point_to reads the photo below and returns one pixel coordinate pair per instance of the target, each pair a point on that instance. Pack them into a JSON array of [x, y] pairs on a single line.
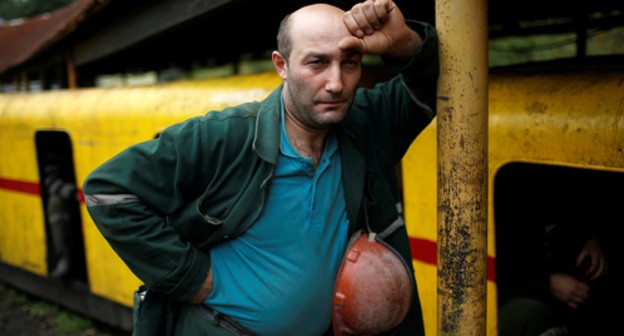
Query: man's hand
[[568, 290], [205, 289], [592, 262], [378, 27]]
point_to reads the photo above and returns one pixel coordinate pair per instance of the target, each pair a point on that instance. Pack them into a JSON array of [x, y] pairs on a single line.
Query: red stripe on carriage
[[426, 251], [20, 186], [31, 188]]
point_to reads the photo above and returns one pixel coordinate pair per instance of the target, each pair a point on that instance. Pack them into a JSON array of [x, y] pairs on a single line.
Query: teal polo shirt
[[278, 277]]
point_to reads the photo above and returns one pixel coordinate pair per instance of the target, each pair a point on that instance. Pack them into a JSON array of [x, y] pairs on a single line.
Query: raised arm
[[379, 28]]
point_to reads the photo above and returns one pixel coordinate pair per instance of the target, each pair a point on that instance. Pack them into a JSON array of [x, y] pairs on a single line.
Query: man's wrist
[[204, 290]]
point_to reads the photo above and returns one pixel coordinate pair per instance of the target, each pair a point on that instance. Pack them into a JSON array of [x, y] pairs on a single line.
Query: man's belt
[[224, 321]]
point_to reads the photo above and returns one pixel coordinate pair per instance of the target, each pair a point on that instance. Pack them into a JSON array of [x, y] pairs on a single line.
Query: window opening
[[545, 216], [60, 200]]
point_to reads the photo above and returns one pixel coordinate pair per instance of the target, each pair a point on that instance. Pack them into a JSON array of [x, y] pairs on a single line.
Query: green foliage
[[71, 323], [15, 9], [62, 321], [11, 297]]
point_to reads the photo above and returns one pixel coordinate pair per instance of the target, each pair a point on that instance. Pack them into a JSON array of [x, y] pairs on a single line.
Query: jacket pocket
[[153, 313], [193, 226]]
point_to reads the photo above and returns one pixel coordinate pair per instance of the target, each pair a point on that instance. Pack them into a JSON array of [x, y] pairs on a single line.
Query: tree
[[15, 9]]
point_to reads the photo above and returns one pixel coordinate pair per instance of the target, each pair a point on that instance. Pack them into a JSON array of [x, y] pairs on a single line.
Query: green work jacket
[[162, 204]]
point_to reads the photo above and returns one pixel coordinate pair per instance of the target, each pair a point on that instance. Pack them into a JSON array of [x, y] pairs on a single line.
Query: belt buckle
[[216, 318]]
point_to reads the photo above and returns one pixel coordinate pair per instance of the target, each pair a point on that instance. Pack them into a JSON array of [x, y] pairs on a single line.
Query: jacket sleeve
[[130, 196], [419, 79], [396, 111], [420, 75]]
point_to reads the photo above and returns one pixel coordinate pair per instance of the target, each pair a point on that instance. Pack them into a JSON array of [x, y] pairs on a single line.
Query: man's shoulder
[[245, 110]]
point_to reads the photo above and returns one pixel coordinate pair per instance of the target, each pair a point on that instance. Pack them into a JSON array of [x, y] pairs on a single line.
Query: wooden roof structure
[[108, 36]]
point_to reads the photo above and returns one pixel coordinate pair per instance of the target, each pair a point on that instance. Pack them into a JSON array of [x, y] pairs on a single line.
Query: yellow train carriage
[[571, 119], [540, 118], [98, 124]]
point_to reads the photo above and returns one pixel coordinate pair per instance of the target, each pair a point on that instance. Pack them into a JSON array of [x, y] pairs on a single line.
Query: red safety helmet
[[373, 289]]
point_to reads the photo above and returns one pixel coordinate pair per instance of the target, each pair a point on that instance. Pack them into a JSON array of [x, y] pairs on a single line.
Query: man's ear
[[280, 64]]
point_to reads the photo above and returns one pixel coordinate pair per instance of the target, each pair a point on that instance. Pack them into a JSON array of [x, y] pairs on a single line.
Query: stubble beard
[[310, 115]]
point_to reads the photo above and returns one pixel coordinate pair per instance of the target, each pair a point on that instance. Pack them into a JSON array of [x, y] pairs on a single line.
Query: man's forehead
[[324, 52], [320, 34], [316, 30], [319, 19]]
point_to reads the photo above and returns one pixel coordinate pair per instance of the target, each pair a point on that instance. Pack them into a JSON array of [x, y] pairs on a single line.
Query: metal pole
[[462, 166]]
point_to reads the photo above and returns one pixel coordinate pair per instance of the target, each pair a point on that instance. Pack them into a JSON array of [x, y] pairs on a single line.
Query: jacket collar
[[267, 133], [267, 140]]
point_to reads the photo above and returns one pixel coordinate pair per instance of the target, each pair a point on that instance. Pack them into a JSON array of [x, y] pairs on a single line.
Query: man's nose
[[334, 80]]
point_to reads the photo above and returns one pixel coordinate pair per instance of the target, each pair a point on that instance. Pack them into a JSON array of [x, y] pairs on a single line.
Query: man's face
[[321, 79]]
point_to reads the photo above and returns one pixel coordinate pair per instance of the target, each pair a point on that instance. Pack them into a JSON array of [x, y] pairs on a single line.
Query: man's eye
[[351, 64]]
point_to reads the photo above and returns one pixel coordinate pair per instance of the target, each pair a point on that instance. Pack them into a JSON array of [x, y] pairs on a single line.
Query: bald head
[[320, 22]]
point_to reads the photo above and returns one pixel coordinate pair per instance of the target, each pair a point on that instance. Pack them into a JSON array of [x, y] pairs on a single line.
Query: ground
[[23, 315]]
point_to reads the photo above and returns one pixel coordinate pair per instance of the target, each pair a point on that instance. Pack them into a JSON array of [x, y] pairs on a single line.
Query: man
[[246, 213], [61, 200], [553, 252]]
